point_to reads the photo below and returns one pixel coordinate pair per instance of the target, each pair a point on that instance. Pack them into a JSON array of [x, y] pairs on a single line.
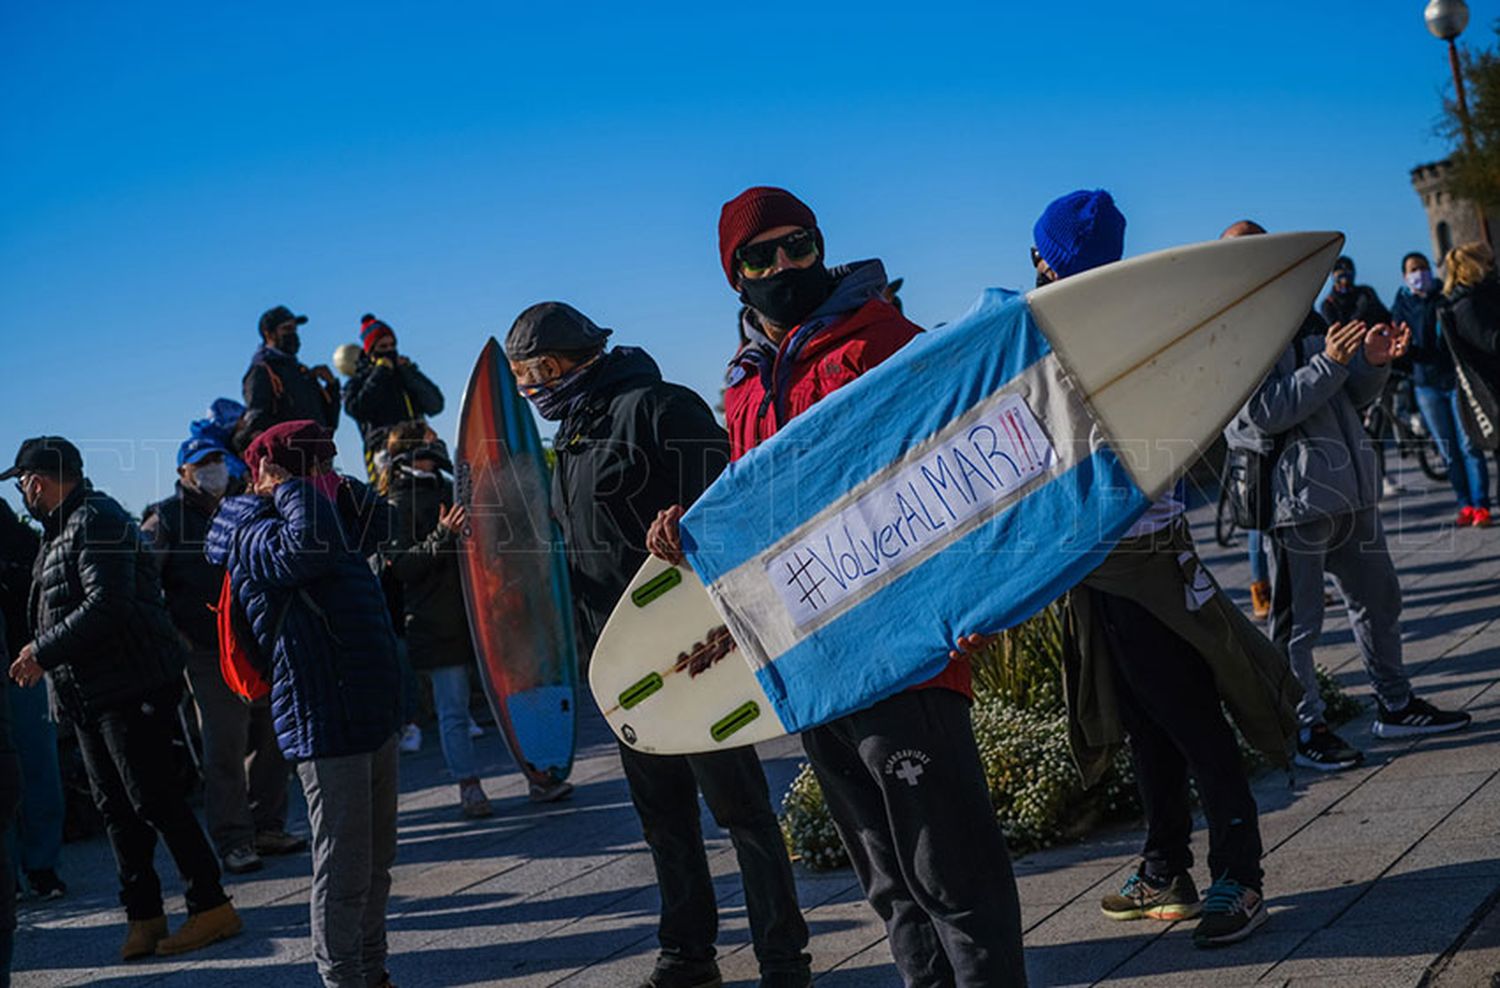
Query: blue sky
[[168, 171]]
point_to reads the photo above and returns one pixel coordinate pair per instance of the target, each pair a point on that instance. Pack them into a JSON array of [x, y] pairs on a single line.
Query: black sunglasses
[[1036, 258], [757, 257]]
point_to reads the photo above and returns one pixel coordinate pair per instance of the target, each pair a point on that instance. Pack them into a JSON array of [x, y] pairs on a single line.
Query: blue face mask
[[560, 397], [1419, 281]]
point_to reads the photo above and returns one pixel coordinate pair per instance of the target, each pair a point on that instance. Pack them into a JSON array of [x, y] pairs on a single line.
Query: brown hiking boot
[[202, 929], [1260, 599], [142, 937]]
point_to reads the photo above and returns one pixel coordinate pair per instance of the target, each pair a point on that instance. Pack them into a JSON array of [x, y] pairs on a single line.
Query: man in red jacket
[[902, 777]]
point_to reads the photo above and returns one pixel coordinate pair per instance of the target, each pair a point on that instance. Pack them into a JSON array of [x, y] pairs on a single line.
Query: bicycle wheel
[[1224, 527], [1430, 460]]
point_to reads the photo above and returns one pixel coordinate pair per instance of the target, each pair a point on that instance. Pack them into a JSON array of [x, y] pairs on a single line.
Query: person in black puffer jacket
[[1470, 316], [280, 388], [102, 633], [385, 390], [244, 775], [1348, 302]]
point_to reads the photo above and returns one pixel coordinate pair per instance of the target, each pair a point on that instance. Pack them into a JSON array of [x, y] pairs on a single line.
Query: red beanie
[[752, 213], [372, 331], [295, 446]]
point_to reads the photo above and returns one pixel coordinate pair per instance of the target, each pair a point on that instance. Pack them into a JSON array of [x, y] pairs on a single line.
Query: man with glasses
[[925, 844], [628, 445], [104, 635]]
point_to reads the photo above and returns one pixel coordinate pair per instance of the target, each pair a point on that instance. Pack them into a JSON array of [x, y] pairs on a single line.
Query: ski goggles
[[758, 258]]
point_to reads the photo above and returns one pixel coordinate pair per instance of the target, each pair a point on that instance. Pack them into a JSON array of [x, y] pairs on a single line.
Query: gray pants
[[1351, 548], [351, 803], [244, 775]]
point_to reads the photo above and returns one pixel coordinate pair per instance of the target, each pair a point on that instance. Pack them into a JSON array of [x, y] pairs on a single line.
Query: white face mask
[[212, 479]]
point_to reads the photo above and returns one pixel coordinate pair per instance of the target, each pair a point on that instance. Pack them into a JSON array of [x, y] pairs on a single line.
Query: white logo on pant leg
[[907, 765]]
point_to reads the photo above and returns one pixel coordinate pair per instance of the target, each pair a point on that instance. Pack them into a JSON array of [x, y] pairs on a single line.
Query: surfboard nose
[[1169, 345]]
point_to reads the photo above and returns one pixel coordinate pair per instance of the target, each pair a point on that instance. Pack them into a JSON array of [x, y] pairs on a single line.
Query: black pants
[[127, 753], [1172, 714], [665, 790], [906, 790], [10, 799]]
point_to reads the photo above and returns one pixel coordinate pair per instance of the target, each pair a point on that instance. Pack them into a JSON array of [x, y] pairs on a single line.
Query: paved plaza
[[1386, 875]]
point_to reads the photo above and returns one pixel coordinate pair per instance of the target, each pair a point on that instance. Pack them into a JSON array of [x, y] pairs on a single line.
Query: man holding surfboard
[[902, 778], [628, 445]]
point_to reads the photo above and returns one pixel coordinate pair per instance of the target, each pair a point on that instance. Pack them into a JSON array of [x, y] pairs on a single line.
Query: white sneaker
[[1389, 488], [475, 731], [411, 739]]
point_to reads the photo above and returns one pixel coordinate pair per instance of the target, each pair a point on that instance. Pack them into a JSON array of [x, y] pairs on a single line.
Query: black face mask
[[1043, 279], [288, 343], [790, 296]]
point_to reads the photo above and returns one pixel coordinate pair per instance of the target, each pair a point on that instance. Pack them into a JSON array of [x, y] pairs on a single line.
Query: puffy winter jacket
[[96, 607], [424, 558], [380, 395], [847, 335], [1326, 466], [1431, 363], [18, 548], [319, 615], [1472, 320], [636, 445], [1359, 302], [175, 530], [280, 388]]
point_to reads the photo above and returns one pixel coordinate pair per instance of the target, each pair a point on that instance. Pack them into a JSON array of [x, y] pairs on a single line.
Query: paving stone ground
[[1381, 876]]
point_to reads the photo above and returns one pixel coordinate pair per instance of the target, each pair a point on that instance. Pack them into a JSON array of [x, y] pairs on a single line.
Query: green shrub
[[1021, 730], [1024, 666], [1340, 706]]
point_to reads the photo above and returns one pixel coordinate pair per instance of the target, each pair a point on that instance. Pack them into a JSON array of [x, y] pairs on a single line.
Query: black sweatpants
[[127, 753], [664, 789], [1176, 726], [906, 790]]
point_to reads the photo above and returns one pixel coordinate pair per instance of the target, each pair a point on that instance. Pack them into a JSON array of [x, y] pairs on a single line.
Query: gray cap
[[553, 327]]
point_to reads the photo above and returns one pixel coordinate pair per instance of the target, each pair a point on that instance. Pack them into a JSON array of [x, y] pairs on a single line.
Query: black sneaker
[[1417, 717], [1326, 751], [1142, 897], [676, 977], [46, 884], [1231, 912]]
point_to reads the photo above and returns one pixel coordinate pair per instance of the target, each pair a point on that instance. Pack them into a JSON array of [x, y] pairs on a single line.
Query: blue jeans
[[1255, 542], [1467, 470], [39, 824], [450, 695]]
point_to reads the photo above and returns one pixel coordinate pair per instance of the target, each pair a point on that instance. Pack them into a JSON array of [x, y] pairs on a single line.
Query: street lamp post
[[1446, 19]]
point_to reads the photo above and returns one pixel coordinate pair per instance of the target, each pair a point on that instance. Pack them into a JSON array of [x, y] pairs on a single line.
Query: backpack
[[1249, 477], [245, 670]]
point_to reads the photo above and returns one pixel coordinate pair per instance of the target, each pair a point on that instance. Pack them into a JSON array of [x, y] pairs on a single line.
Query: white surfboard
[[1141, 365], [685, 667]]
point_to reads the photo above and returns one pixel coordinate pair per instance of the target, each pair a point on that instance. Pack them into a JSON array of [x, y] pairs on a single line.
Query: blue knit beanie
[[1079, 231]]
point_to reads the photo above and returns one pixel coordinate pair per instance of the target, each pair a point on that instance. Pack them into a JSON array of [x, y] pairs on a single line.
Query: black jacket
[[175, 530], [636, 446], [379, 396], [1471, 318], [424, 559], [101, 628], [1360, 302], [280, 388], [18, 547]]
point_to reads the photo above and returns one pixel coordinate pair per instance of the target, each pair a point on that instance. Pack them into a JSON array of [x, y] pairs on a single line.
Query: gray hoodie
[[1327, 464]]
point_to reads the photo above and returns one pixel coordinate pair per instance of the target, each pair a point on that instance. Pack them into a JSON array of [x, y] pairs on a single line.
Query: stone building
[[1449, 221]]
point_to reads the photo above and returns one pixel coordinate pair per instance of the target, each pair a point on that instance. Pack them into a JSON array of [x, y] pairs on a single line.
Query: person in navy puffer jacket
[[293, 553]]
